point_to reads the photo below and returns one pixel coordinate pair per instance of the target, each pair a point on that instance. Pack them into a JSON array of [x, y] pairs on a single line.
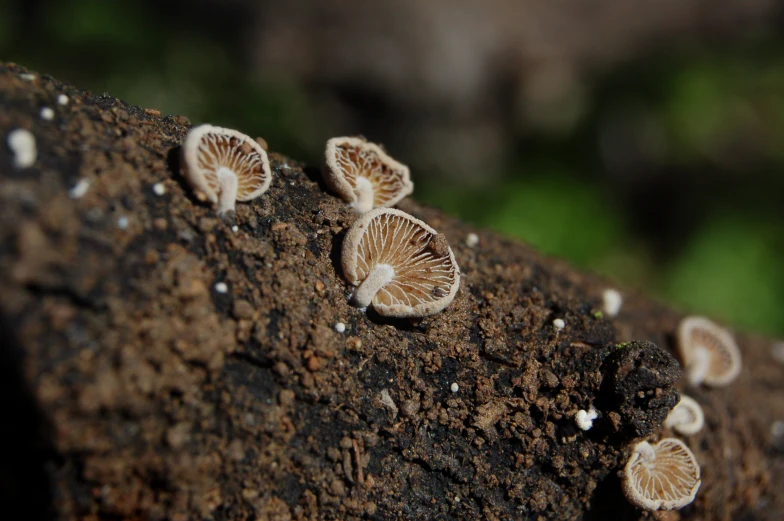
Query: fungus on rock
[[709, 353], [401, 265], [686, 418], [362, 174], [225, 165], [661, 476]]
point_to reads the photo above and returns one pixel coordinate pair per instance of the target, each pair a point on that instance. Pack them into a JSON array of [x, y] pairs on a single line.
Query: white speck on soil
[[584, 419], [26, 76], [159, 188], [79, 189], [221, 287], [340, 327], [472, 240], [559, 324], [122, 222], [47, 113], [62, 99], [21, 143], [612, 302], [235, 228], [454, 387]]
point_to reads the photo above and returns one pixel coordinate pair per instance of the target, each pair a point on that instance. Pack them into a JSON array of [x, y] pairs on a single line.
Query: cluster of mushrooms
[[404, 268]]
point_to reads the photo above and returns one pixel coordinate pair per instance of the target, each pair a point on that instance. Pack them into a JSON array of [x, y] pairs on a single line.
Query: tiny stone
[[221, 287], [559, 324], [340, 327], [235, 228], [47, 113], [159, 188], [79, 189], [62, 99], [454, 387], [21, 142], [122, 222], [472, 240]]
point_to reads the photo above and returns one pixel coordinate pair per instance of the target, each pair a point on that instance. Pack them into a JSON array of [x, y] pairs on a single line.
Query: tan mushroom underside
[[425, 274], [661, 476], [700, 340], [685, 418], [208, 148], [352, 162]]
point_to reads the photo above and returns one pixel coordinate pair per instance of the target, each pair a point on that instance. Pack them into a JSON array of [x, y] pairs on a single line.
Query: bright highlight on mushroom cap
[[686, 418], [403, 267], [211, 154], [661, 476], [363, 174], [709, 353]]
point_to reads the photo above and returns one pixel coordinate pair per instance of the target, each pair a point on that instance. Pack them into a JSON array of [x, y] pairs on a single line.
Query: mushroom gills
[[380, 276], [365, 195], [228, 190], [699, 365]]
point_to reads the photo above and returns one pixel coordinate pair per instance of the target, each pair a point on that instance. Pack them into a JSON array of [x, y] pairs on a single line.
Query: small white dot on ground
[[559, 324], [79, 189], [159, 188], [472, 240], [122, 222], [235, 228], [21, 142], [26, 76], [47, 113], [221, 287], [454, 387], [612, 302], [62, 99], [340, 327]]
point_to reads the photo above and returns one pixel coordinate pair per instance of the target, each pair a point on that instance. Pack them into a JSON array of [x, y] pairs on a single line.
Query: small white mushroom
[[225, 165], [709, 353], [62, 99], [612, 301], [362, 174], [686, 418], [21, 143], [584, 419], [661, 476], [559, 324], [400, 265], [472, 240], [79, 189], [340, 327], [47, 113]]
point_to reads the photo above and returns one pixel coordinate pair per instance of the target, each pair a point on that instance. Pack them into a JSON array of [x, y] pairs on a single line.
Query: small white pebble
[[159, 188], [340, 327], [612, 302], [584, 419], [778, 352], [26, 76], [47, 113], [472, 240], [62, 99], [777, 429], [122, 222], [559, 324], [79, 189], [235, 228], [457, 499], [221, 287], [21, 142], [454, 387]]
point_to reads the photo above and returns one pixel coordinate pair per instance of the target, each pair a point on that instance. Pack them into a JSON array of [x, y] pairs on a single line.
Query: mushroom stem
[[381, 275], [365, 195], [228, 190], [698, 365]]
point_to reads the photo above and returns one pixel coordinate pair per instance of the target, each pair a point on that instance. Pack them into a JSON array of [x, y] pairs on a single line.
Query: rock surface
[[142, 391]]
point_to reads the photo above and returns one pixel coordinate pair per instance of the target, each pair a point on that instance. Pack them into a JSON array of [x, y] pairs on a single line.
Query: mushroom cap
[[208, 148], [348, 158], [661, 476], [686, 418], [695, 333], [426, 275]]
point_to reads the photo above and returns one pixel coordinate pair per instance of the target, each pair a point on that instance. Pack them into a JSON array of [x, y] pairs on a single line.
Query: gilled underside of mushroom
[[375, 183]]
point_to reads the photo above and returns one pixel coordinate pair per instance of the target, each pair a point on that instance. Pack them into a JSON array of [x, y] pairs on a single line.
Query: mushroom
[[709, 353], [362, 174], [685, 418], [401, 265], [225, 165], [661, 476]]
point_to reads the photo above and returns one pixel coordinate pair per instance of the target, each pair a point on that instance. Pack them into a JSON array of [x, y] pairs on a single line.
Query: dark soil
[[133, 389]]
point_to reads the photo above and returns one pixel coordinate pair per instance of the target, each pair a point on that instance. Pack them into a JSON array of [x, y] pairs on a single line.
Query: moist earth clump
[[172, 368]]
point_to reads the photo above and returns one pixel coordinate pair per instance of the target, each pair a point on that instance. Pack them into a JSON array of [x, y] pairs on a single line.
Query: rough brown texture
[[144, 393]]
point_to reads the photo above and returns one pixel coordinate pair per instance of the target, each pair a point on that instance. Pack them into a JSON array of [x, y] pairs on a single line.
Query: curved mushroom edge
[[636, 498], [674, 419], [351, 244], [687, 326], [196, 178], [337, 182]]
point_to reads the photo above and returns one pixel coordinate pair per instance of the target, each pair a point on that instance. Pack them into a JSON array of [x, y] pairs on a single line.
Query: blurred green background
[[655, 160]]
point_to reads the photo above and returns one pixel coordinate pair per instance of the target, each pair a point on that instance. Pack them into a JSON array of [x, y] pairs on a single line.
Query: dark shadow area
[[25, 485], [608, 502]]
